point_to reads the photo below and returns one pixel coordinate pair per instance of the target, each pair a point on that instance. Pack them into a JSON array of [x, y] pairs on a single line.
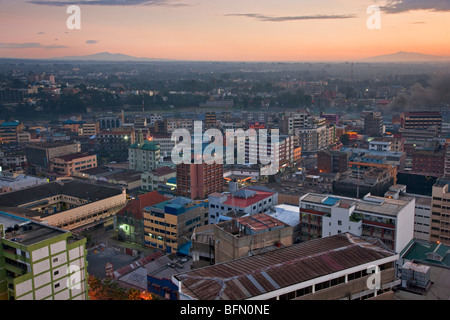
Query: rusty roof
[[249, 277]]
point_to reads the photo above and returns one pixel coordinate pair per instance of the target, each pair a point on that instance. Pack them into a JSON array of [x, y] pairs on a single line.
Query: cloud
[[92, 41], [399, 6], [29, 45], [41, 32], [107, 3], [261, 17]]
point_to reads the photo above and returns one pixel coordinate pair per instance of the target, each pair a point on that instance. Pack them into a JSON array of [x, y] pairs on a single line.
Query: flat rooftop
[[26, 232], [378, 205]]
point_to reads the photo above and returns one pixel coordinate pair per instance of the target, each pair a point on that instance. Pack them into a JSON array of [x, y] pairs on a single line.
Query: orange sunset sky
[[232, 30]]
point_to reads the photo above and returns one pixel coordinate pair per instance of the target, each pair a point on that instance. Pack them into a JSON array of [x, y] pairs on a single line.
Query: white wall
[[405, 226]]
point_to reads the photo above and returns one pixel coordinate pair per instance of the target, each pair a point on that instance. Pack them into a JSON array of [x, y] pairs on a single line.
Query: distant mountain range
[[402, 56], [105, 56]]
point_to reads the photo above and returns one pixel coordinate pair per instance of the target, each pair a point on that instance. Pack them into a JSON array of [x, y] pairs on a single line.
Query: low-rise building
[[243, 201], [152, 179], [169, 225], [71, 205], [68, 164], [332, 268]]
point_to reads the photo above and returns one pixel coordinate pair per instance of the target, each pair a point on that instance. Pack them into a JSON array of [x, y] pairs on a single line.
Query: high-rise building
[[114, 144], [40, 262], [373, 124], [197, 181], [295, 120]]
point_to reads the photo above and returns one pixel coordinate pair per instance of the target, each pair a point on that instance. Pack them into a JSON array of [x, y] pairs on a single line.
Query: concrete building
[[373, 124], [9, 131], [172, 124], [12, 181], [440, 214], [411, 121], [129, 222], [422, 210], [68, 164], [169, 225], [333, 161], [71, 205], [332, 268], [390, 220], [166, 144], [152, 179], [40, 154], [197, 181], [144, 156], [89, 129], [249, 235], [295, 120], [381, 144], [40, 262], [429, 162], [246, 201], [113, 145], [314, 139]]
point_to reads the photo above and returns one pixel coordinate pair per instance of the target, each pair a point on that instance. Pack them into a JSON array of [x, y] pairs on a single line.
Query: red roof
[[136, 206], [243, 203]]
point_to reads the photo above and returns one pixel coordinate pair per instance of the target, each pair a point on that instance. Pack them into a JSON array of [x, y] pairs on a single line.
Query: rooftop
[[74, 188], [250, 277], [74, 156], [27, 232], [370, 203]]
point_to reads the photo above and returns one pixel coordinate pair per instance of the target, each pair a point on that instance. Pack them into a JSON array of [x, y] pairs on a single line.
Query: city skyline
[[326, 30]]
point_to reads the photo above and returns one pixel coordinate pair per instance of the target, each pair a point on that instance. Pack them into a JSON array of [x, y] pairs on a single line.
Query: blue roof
[[330, 201], [10, 124], [184, 249], [172, 180]]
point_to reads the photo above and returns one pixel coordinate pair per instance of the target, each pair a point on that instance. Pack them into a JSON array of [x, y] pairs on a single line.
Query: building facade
[[339, 267], [40, 262], [144, 156], [390, 220], [170, 224]]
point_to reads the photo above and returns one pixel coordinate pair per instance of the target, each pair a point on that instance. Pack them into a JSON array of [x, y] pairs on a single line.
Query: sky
[[225, 30]]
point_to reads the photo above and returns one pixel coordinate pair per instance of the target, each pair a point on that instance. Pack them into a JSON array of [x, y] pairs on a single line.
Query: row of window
[[331, 283]]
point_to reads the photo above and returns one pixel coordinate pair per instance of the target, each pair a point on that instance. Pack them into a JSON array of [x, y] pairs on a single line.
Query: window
[[57, 285], [55, 260], [56, 273], [339, 223]]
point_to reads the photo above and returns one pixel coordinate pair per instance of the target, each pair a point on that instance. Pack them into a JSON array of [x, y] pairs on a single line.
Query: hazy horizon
[[211, 30]]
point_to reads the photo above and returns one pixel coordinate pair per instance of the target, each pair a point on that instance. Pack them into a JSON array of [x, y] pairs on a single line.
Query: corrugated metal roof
[[252, 276]]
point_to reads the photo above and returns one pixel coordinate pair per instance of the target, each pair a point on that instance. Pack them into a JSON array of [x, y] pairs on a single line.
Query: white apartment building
[[422, 210], [380, 145], [390, 220]]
